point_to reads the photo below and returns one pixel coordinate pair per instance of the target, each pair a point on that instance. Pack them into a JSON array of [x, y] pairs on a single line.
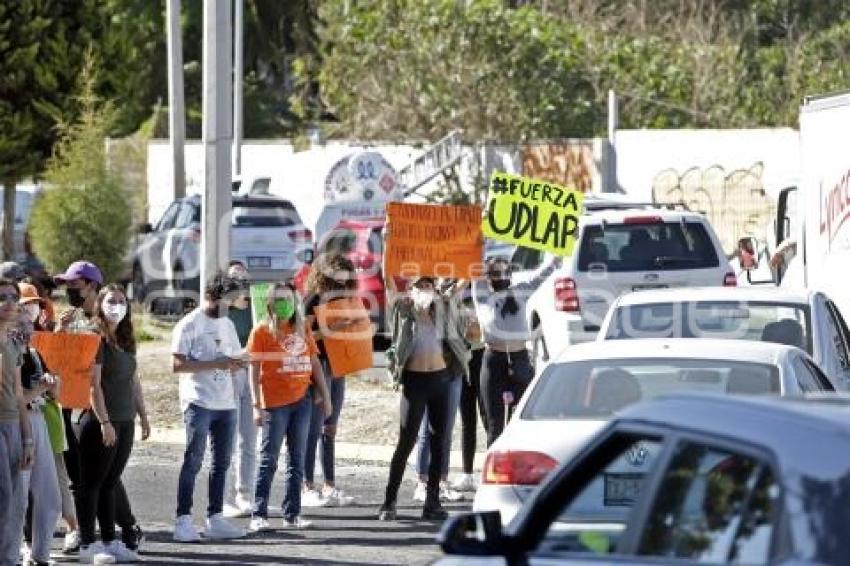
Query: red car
[[361, 242]]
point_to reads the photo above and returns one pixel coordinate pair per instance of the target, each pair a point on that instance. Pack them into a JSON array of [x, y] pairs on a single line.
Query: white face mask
[[114, 313], [33, 311], [421, 299]]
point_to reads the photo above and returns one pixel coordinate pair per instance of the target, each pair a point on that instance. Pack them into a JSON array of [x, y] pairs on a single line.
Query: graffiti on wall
[[567, 163], [735, 202]]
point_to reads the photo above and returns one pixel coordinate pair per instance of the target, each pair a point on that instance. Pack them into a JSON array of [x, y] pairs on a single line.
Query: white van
[[622, 247]]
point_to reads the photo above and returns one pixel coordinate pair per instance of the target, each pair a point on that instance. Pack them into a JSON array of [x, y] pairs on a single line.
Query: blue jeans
[[423, 442], [11, 515], [246, 438], [219, 426], [336, 386], [292, 422]]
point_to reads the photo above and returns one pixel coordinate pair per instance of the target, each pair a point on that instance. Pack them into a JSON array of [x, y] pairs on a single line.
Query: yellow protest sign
[[533, 213]]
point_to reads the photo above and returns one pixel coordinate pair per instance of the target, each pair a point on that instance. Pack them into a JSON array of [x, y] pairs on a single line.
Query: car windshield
[[261, 214], [759, 321], [599, 388], [650, 246]]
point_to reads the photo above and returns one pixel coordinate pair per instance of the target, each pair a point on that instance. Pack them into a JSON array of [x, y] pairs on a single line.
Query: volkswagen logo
[[637, 455]]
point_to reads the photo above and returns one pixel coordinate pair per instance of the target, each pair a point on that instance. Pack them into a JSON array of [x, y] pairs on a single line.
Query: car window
[[167, 220], [593, 519], [837, 332], [650, 246], [712, 506], [821, 378], [526, 259], [187, 215], [264, 214], [597, 389], [807, 381], [376, 242], [758, 321]]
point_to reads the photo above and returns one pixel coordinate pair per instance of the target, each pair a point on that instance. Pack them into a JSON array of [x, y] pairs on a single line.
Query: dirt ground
[[369, 415]]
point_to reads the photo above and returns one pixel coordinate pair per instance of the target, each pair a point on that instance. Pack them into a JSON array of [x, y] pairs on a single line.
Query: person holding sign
[[16, 440], [283, 366], [506, 367], [426, 355], [331, 277]]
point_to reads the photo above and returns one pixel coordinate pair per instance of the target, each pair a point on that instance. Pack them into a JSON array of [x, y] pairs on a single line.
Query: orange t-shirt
[[285, 364]]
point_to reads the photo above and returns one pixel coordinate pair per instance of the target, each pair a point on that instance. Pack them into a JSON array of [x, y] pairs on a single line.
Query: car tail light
[[305, 234], [730, 280], [566, 295], [517, 467], [642, 220]]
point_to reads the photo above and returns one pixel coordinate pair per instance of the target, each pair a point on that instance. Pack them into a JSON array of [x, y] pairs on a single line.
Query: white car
[[577, 395], [804, 318], [621, 247]]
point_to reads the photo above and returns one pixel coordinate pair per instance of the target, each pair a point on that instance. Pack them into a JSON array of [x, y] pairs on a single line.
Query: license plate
[[260, 262], [622, 489], [647, 287]]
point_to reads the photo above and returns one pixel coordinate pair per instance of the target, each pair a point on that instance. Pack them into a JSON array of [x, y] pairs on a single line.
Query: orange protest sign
[[349, 349], [71, 357], [433, 240]]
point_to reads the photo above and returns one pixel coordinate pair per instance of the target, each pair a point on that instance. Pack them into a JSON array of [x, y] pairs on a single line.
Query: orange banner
[[349, 349], [71, 357], [433, 240]]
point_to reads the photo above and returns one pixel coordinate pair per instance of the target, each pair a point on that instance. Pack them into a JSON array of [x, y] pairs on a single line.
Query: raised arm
[[542, 275]]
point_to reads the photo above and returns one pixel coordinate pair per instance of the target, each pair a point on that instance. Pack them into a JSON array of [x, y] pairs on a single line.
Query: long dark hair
[[510, 306], [297, 319], [125, 338]]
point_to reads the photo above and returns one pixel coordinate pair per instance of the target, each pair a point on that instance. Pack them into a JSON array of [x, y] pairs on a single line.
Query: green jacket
[[451, 329]]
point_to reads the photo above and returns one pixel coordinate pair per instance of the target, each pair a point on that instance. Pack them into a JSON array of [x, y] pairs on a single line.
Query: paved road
[[347, 535]]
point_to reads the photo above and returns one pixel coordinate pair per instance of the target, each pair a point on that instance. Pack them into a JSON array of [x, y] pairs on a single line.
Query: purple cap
[[80, 270]]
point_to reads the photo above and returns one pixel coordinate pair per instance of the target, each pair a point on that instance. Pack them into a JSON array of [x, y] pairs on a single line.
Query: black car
[[740, 480]]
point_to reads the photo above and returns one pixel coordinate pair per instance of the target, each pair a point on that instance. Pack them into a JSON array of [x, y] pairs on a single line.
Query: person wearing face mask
[[506, 367], [107, 429], [40, 484], [331, 277], [426, 356], [206, 353], [283, 367]]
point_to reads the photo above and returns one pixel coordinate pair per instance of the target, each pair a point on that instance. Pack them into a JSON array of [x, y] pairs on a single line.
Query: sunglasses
[[9, 298]]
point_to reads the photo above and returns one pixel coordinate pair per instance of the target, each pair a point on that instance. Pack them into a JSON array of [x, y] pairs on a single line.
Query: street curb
[[344, 450]]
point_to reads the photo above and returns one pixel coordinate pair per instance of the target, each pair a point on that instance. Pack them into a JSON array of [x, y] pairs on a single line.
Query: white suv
[[621, 247]]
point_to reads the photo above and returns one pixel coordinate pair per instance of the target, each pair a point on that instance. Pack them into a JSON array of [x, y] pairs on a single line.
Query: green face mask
[[284, 308]]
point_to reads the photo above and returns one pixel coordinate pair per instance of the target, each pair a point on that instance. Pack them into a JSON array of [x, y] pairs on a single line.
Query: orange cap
[[28, 293]]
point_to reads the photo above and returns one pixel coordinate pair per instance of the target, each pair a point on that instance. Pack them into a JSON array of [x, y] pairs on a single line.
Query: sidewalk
[[344, 450]]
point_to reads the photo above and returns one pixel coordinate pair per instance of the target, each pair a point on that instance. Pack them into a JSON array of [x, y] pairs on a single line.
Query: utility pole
[[611, 184], [217, 137], [238, 72], [176, 112]]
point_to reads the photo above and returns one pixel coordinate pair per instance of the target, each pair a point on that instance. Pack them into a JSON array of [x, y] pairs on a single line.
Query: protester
[[506, 366], [331, 277], [107, 429], [283, 365], [83, 281], [16, 440], [239, 313], [40, 485], [47, 311], [206, 351], [471, 401], [425, 355]]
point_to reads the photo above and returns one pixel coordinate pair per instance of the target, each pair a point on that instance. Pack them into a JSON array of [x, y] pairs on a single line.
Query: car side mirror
[[473, 534], [145, 228]]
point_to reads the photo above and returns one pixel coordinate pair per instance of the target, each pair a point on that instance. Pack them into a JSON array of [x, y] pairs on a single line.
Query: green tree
[[83, 213]]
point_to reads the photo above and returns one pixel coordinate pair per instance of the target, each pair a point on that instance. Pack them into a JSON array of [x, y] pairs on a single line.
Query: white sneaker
[[336, 497], [313, 498], [72, 542], [241, 507], [185, 531], [421, 492], [464, 482], [297, 523], [259, 524], [448, 494], [120, 551], [220, 528], [95, 553]]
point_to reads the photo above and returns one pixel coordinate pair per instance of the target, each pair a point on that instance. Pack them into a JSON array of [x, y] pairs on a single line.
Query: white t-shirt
[[204, 339]]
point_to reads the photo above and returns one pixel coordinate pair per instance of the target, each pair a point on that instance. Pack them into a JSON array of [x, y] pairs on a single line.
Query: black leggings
[[421, 391], [100, 473], [500, 373], [471, 404]]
